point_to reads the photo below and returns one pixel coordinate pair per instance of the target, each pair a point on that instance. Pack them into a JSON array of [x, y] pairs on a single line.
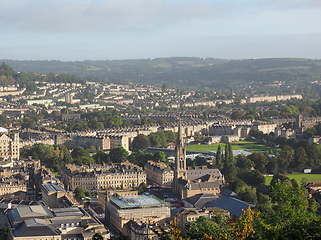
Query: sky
[[77, 30]]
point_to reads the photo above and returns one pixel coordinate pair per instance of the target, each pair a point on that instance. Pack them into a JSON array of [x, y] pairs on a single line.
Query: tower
[[298, 122], [180, 160]]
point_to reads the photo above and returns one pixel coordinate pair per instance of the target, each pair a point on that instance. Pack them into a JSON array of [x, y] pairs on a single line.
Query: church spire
[[180, 159]]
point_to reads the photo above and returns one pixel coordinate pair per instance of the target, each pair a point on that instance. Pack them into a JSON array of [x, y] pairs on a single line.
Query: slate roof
[[34, 227], [35, 211], [199, 200], [229, 193], [68, 212], [233, 205]]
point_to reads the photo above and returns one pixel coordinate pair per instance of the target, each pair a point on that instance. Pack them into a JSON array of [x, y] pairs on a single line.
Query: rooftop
[[137, 201], [52, 187]]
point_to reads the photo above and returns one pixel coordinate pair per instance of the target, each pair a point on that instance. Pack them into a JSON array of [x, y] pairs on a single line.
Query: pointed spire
[[180, 139]]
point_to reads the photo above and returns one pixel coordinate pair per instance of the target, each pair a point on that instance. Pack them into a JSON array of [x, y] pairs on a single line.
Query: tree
[[172, 232], [79, 152], [243, 228], [80, 193], [141, 142], [272, 166], [114, 121], [218, 159], [97, 236], [286, 157], [248, 194], [203, 227], [309, 132], [245, 162], [260, 161], [102, 156], [118, 155], [278, 177], [300, 158], [142, 188], [293, 216], [157, 139], [27, 122], [159, 156]]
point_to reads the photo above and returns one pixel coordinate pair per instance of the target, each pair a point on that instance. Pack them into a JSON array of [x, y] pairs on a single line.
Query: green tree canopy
[[118, 155], [141, 142]]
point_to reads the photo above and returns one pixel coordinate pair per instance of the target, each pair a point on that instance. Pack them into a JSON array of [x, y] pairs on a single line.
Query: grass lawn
[[316, 178], [242, 145]]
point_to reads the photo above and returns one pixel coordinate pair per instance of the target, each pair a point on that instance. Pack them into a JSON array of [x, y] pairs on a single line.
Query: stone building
[[52, 194], [10, 187], [189, 215], [38, 222], [9, 145], [98, 177], [186, 185], [159, 173], [123, 212]]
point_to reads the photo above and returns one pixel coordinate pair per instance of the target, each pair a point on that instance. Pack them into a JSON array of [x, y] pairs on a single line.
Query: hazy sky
[[132, 29]]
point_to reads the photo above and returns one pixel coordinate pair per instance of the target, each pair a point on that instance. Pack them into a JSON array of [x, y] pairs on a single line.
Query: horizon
[[140, 29], [235, 59]]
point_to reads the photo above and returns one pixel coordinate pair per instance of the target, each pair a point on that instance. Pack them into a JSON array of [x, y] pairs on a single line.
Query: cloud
[[95, 15]]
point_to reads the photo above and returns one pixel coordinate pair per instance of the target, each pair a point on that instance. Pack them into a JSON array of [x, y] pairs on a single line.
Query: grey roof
[[202, 185], [199, 200], [229, 193], [36, 211], [68, 212], [34, 227], [233, 205], [65, 221]]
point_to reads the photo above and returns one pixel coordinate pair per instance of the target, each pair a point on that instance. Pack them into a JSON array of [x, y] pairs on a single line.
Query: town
[[80, 159]]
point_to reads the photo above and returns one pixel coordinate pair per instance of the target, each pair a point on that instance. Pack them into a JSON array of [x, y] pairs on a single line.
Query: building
[[159, 173], [9, 146], [200, 171], [235, 206], [122, 212], [38, 222], [66, 117], [189, 215], [230, 138], [180, 162], [265, 128], [10, 187], [98, 177], [69, 98], [119, 141], [52, 194], [102, 195], [286, 133], [201, 180]]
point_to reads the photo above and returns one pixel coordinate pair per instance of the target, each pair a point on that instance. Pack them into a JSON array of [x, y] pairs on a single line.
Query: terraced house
[[98, 177]]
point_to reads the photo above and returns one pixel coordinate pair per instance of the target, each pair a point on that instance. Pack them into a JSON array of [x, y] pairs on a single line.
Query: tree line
[[57, 156], [287, 214]]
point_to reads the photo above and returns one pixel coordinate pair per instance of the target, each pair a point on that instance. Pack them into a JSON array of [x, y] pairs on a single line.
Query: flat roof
[[68, 212], [136, 201], [52, 187]]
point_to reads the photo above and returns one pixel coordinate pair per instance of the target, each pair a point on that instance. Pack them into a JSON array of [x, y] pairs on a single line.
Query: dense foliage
[[57, 156]]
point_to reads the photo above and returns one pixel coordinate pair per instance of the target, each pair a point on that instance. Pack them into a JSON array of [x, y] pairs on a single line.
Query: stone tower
[[180, 160]]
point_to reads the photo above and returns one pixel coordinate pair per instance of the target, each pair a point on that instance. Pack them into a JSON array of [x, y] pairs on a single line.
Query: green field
[[316, 178], [242, 145]]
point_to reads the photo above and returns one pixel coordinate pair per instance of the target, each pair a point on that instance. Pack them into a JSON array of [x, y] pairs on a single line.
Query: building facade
[[159, 173], [122, 212], [98, 177], [9, 146]]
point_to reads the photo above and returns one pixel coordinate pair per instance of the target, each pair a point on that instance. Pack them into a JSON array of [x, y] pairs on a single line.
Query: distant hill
[[189, 72]]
